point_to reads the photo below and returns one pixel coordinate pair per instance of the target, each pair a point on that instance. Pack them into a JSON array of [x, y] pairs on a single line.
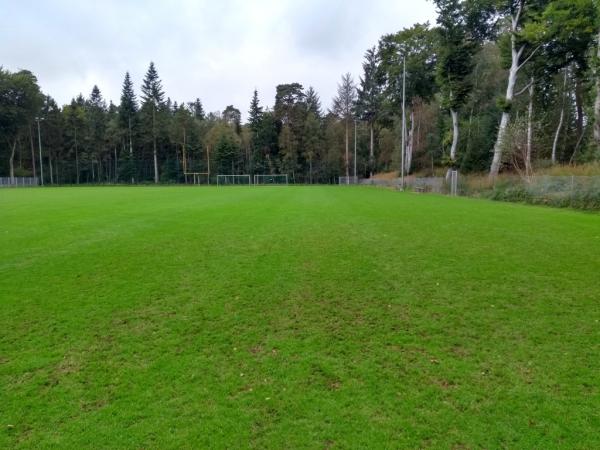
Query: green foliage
[[368, 102], [418, 45]]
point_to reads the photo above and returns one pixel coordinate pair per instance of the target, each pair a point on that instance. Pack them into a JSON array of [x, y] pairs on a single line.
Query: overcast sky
[[217, 50]]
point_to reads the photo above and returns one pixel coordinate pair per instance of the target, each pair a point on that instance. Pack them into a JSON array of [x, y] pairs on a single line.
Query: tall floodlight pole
[[37, 119], [355, 179], [403, 121]]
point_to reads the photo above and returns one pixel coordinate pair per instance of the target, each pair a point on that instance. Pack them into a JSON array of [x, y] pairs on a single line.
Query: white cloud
[[216, 50]]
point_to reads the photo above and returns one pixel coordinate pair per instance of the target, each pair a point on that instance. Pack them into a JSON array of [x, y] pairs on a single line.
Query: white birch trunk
[[454, 115], [411, 140], [510, 92], [32, 152], [12, 161], [371, 151], [347, 156], [50, 164], [561, 119], [154, 145], [597, 101], [76, 157], [529, 130]]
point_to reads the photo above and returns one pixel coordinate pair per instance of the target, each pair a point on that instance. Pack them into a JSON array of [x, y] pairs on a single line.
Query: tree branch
[[529, 57], [527, 86]]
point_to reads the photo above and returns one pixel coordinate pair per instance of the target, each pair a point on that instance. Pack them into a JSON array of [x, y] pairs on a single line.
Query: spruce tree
[[343, 107], [153, 100], [254, 121], [369, 98], [197, 109], [127, 111], [255, 112], [313, 102]]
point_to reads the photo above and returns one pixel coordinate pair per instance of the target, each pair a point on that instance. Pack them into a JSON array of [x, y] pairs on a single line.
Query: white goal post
[[271, 179], [228, 180]]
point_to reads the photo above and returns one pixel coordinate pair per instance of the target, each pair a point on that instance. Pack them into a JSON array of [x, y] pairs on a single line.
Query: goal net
[[348, 180], [271, 179], [226, 180]]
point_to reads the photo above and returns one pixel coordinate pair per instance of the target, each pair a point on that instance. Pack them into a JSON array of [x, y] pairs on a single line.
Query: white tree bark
[[510, 91], [371, 151], [12, 161], [529, 130], [76, 157], [50, 164], [411, 140], [597, 101], [32, 151], [561, 119], [454, 115], [347, 156], [154, 144]]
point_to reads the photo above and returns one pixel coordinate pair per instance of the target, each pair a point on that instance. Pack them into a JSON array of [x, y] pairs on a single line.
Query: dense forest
[[493, 85]]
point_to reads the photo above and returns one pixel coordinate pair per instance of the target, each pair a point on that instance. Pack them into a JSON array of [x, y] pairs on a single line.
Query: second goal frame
[[281, 178], [225, 180]]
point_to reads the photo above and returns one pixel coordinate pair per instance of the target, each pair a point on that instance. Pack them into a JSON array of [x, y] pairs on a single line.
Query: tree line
[[493, 85]]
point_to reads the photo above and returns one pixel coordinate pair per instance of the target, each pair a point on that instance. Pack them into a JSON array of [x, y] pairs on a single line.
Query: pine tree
[[197, 109], [128, 110], [96, 116], [369, 98], [313, 102], [255, 112], [254, 121], [343, 107], [153, 100]]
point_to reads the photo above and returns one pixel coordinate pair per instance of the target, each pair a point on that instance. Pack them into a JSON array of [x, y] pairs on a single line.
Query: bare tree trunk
[[579, 105], [597, 101], [347, 156], [12, 161], [76, 157], [130, 149], [510, 92], [310, 168], [455, 130], [562, 118], [50, 164], [32, 151], [154, 145], [529, 130], [371, 151], [411, 141]]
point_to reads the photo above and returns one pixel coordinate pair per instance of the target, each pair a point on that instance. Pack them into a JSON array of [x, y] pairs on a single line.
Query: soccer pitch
[[295, 317]]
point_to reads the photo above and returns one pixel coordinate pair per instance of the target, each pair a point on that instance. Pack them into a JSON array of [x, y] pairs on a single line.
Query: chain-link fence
[[581, 192]]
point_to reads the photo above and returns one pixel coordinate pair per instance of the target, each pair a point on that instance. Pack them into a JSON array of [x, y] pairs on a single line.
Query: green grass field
[[299, 317]]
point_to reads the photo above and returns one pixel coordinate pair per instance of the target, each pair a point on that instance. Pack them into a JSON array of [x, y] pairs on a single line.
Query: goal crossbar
[[271, 179]]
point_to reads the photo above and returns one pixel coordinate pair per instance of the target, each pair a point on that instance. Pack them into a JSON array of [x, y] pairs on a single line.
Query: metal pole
[[403, 120], [40, 146], [354, 150]]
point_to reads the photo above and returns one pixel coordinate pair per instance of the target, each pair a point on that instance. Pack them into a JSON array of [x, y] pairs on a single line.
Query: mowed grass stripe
[[274, 317]]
